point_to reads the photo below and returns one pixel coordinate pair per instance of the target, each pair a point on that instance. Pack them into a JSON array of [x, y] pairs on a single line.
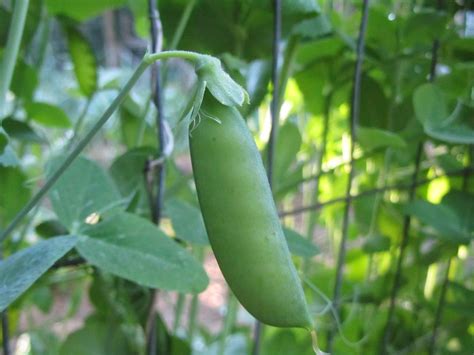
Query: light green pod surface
[[242, 221]]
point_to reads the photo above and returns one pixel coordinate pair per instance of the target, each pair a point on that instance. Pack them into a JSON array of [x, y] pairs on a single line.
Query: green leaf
[[187, 222], [462, 203], [374, 104], [441, 218], [84, 189], [83, 60], [373, 138], [20, 270], [457, 134], [50, 228], [256, 80], [313, 28], [82, 10], [423, 27], [127, 172], [135, 249], [14, 193], [376, 243], [219, 83], [47, 114], [21, 131], [430, 105], [25, 80], [287, 146], [131, 122], [299, 245], [97, 337]]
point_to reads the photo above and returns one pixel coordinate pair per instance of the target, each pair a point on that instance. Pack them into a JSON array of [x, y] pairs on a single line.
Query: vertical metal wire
[[353, 122], [157, 200]]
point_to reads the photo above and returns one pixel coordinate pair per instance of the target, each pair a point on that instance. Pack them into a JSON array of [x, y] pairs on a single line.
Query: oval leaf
[[135, 249], [47, 114], [373, 138], [441, 218], [187, 222], [430, 105], [299, 245], [85, 188], [83, 60]]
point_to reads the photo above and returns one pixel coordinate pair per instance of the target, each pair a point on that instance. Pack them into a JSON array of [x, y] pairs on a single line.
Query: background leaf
[[14, 193], [20, 270], [187, 222], [47, 115], [299, 245], [83, 60]]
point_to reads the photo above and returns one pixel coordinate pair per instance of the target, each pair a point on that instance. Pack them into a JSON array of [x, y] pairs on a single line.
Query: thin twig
[[354, 120], [275, 113], [319, 163], [5, 333], [275, 104]]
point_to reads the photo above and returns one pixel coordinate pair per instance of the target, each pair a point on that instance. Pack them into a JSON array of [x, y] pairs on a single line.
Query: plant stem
[[439, 309], [146, 61], [7, 66], [80, 121], [183, 22], [354, 120], [231, 314], [407, 220], [186, 55], [178, 313], [275, 104], [143, 123], [288, 60], [319, 164], [75, 152], [5, 333], [44, 38], [194, 308]]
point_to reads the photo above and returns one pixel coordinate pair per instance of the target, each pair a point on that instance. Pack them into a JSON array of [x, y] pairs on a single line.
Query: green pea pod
[[241, 218]]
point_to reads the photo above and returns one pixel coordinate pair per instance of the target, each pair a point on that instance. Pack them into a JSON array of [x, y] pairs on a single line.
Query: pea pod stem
[[146, 61]]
